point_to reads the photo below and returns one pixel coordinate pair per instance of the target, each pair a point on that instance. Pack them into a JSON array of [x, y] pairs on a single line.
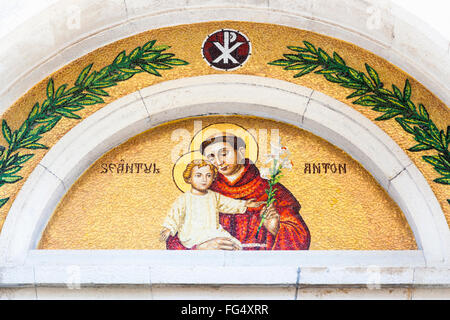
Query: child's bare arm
[[252, 203], [236, 206]]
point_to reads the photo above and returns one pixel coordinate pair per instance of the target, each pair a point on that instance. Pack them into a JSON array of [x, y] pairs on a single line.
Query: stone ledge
[[304, 277], [262, 293]]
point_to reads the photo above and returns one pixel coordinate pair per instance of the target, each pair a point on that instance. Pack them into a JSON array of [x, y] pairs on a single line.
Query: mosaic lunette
[[127, 210]]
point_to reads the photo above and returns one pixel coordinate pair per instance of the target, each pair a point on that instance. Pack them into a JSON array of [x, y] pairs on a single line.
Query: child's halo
[[180, 166]]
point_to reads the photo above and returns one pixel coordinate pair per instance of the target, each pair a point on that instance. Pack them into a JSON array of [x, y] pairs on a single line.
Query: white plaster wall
[[27, 57]]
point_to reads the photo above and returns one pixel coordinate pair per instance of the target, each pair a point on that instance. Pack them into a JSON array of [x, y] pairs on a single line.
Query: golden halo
[[180, 166], [251, 150]]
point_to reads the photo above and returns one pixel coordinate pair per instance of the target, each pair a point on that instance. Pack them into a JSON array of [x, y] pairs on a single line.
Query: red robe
[[293, 233]]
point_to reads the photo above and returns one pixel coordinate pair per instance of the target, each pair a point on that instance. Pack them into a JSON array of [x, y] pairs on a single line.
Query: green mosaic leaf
[[50, 125], [60, 91], [296, 67], [407, 90], [293, 57], [135, 53], [281, 62], [161, 48], [357, 93], [432, 160], [338, 59], [12, 170], [150, 70], [67, 114], [420, 147], [83, 75], [397, 92], [298, 49], [6, 131], [310, 47], [443, 180], [150, 56], [35, 146], [50, 89], [368, 82], [388, 115], [423, 112], [10, 179], [366, 101], [24, 158], [373, 75], [305, 71], [148, 45], [34, 111], [3, 202], [120, 57]]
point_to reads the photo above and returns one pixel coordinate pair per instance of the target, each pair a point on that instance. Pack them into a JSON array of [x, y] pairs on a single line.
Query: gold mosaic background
[[125, 211], [268, 43]]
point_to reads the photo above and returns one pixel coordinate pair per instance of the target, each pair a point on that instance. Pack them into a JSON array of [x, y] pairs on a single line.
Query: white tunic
[[196, 217]]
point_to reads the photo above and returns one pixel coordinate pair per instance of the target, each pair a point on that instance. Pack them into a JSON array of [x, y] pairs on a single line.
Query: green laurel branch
[[65, 102], [370, 92]]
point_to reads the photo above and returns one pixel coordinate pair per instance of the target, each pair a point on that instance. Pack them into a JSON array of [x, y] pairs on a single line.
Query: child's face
[[202, 178]]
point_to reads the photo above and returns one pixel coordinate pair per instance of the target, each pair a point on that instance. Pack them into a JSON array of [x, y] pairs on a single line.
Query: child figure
[[195, 214]]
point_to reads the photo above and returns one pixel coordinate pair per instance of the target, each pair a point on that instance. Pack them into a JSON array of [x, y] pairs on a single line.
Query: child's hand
[[252, 203], [164, 235]]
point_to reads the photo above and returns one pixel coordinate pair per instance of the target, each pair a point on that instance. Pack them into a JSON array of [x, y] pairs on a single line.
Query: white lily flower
[[286, 164], [276, 148], [275, 153], [279, 150], [265, 173], [271, 158], [279, 156], [285, 151]]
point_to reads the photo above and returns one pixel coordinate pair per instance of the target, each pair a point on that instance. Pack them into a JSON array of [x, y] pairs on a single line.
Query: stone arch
[[279, 100]]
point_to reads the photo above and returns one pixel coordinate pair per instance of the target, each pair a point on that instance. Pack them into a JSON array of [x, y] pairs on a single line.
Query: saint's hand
[[218, 244], [272, 220]]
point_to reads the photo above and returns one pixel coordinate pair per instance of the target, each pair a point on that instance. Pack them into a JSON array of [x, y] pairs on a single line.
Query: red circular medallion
[[226, 49]]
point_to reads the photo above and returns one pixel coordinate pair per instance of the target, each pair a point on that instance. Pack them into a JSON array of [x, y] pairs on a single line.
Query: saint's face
[[223, 156], [202, 178]]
